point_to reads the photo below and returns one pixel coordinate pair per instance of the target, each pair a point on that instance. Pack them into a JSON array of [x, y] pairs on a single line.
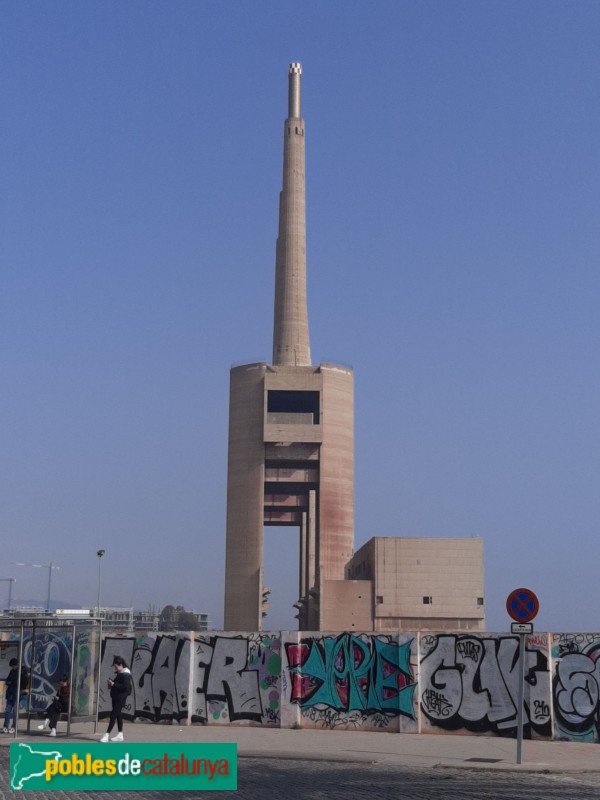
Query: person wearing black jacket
[[58, 706], [12, 681], [121, 687]]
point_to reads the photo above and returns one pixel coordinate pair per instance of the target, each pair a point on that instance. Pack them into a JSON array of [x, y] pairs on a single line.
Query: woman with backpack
[[121, 687]]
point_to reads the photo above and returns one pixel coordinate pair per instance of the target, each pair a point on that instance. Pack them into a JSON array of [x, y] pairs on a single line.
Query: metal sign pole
[[522, 606], [520, 700], [17, 705], [72, 679]]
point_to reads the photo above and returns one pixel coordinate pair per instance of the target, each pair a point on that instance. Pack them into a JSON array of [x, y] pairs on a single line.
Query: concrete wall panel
[[468, 683], [237, 679], [350, 681], [576, 686]]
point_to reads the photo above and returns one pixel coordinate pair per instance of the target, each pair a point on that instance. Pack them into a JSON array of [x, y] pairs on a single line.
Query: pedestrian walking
[[120, 687]]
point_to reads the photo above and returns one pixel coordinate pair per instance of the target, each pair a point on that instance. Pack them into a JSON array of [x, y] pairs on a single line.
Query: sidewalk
[[394, 749]]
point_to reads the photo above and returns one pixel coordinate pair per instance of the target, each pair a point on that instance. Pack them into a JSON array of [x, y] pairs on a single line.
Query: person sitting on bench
[[60, 705]]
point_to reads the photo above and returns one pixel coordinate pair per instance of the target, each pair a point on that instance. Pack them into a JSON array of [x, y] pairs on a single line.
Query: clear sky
[[453, 180]]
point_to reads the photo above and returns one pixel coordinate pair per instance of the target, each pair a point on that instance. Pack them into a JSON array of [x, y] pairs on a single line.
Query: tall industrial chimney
[[291, 346]]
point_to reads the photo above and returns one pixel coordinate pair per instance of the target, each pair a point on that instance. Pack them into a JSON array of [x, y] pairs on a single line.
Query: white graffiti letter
[[230, 680], [442, 684], [577, 688]]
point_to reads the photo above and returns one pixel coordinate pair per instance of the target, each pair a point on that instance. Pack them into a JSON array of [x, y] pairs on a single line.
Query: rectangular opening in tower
[[293, 407], [280, 578]]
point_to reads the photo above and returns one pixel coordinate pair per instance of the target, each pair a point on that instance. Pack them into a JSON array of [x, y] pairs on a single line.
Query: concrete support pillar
[[302, 587], [312, 540]]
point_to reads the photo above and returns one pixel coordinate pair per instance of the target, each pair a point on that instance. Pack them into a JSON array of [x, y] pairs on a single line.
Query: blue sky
[[453, 181]]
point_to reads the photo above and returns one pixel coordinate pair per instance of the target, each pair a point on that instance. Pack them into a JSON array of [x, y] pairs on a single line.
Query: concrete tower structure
[[291, 438]]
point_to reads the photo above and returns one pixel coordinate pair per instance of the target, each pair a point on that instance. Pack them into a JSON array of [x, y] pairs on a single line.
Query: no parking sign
[[522, 605]]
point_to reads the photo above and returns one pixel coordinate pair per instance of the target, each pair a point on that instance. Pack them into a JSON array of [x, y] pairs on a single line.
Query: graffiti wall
[[236, 678], [350, 681], [470, 683], [46, 657], [160, 671], [576, 686], [442, 682]]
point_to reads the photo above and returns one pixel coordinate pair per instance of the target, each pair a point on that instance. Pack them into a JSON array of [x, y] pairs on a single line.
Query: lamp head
[[100, 553]]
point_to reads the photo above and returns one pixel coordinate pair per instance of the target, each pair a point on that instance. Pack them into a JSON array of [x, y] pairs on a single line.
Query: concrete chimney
[[291, 345]]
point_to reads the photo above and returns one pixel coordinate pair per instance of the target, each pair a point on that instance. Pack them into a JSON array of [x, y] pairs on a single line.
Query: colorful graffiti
[[160, 670], [576, 686], [229, 678], [471, 682], [237, 679], [351, 680], [409, 682], [46, 657]]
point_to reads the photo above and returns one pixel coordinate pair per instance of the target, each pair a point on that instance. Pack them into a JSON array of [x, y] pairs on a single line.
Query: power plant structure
[[291, 431], [291, 463]]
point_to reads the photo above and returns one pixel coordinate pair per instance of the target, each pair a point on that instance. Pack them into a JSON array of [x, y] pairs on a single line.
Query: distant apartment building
[[146, 621], [202, 621], [18, 612], [117, 620]]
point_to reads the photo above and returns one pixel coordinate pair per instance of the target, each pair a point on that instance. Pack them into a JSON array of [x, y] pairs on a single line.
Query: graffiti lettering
[[576, 689], [541, 709], [436, 703], [330, 719], [228, 679], [159, 666], [537, 640], [469, 649], [472, 682], [348, 673], [238, 679]]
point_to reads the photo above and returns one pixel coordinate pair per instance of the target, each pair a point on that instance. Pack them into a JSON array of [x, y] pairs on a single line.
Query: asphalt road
[[322, 780]]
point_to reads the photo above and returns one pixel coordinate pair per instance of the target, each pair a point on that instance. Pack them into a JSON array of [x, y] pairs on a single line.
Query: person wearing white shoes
[[121, 687], [12, 683], [60, 705], [117, 738]]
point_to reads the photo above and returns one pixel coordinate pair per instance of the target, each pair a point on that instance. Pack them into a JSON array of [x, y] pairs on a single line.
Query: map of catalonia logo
[[125, 767]]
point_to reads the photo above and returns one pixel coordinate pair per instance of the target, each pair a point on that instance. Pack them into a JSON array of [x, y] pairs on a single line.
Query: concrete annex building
[[291, 454]]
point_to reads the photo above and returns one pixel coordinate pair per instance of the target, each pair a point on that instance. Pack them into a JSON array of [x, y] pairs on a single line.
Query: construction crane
[[49, 567], [10, 582]]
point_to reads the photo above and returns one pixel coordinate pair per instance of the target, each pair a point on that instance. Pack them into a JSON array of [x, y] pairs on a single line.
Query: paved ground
[[320, 780], [314, 765], [392, 749]]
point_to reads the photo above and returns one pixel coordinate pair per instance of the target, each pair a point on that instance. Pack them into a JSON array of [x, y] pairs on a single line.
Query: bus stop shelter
[[48, 647]]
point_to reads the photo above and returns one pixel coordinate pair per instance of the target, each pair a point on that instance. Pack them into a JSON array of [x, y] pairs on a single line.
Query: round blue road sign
[[522, 605]]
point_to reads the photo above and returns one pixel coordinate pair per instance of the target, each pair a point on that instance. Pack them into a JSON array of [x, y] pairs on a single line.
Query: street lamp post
[[99, 553]]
